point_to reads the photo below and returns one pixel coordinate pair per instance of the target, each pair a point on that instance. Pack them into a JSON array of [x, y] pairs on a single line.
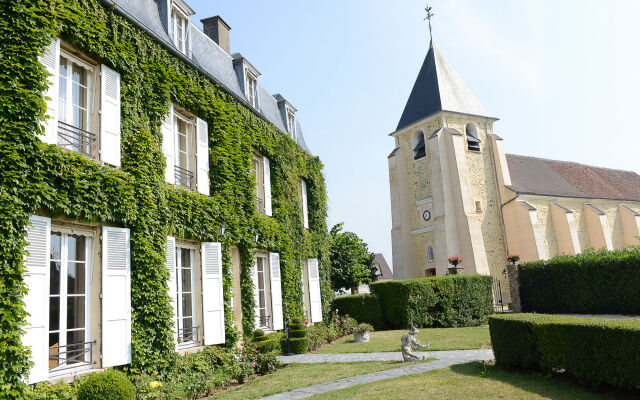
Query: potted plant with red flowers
[[455, 260], [513, 258]]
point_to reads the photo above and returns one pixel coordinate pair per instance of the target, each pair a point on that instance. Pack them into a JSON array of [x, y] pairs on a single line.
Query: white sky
[[562, 76]]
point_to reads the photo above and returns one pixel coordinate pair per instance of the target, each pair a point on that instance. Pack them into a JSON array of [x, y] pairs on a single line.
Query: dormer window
[[291, 123], [178, 29], [252, 89]]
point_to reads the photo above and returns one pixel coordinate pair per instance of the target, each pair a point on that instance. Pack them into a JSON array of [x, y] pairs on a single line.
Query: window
[[252, 89], [429, 272], [478, 206], [305, 205], [178, 29], [75, 105], [473, 141], [261, 268], [430, 257], [184, 151], [257, 169], [291, 123], [69, 344], [419, 147], [185, 277]]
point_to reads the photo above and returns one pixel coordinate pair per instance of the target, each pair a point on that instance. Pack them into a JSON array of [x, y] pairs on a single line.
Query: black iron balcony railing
[[75, 139], [188, 335], [184, 178], [265, 321], [71, 356]]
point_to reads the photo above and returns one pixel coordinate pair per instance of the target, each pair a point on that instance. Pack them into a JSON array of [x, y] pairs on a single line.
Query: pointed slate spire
[[438, 88]]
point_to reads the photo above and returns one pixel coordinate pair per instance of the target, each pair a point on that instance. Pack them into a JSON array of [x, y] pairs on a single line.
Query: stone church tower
[[454, 191]]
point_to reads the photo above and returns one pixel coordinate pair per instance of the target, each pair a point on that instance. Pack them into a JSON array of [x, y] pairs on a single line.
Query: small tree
[[351, 261]]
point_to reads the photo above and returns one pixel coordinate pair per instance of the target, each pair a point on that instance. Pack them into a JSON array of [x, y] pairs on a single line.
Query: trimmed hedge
[[594, 350], [443, 301], [268, 346], [298, 345], [362, 307], [107, 385], [602, 282]]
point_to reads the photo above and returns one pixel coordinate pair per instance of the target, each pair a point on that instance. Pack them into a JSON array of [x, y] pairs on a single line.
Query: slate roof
[[540, 176], [438, 88], [383, 267], [150, 15]]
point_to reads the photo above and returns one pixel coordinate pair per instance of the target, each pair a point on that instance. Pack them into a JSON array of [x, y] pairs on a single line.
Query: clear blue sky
[[562, 76]]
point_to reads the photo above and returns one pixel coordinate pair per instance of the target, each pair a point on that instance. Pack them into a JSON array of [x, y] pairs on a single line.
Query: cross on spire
[[428, 18]]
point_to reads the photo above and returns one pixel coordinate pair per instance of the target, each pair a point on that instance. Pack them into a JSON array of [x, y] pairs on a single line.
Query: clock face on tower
[[426, 215]]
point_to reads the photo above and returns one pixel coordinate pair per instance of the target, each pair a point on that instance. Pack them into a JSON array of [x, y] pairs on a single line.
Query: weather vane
[[428, 18]]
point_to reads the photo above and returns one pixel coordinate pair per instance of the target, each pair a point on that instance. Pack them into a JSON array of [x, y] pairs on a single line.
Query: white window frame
[[265, 293], [251, 84], [179, 292], [190, 143], [63, 295], [177, 21], [257, 164], [291, 123], [69, 101]]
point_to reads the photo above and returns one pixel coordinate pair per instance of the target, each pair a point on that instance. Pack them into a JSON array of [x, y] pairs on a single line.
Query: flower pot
[[361, 337]]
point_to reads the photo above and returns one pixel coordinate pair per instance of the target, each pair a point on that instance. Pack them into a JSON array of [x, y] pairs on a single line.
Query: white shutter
[[276, 291], [212, 296], [168, 146], [51, 60], [116, 297], [110, 116], [36, 301], [314, 290], [202, 155], [305, 208], [256, 297], [267, 186], [171, 267]]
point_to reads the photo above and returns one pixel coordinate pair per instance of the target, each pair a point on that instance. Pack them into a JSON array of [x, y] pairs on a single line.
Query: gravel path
[[444, 359]]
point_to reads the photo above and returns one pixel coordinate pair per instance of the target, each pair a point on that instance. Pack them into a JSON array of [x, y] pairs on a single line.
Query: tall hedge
[[361, 307], [595, 350], [602, 282], [444, 301]]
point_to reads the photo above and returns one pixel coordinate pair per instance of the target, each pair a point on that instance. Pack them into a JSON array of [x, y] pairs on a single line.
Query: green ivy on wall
[[42, 178]]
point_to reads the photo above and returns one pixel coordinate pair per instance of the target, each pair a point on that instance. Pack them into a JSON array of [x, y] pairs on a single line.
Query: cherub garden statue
[[409, 343]]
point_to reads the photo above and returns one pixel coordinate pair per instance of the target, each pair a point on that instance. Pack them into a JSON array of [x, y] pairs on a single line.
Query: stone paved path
[[444, 359]]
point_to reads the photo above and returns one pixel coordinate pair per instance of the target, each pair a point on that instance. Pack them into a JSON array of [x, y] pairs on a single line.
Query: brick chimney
[[218, 30]]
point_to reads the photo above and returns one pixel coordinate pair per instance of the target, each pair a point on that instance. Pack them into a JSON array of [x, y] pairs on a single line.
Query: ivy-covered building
[[154, 197]]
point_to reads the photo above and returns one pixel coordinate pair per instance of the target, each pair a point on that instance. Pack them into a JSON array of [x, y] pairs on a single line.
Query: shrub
[[318, 335], [443, 301], [602, 282], [362, 307], [594, 350], [362, 328], [107, 385], [258, 333], [297, 333], [298, 345], [268, 346]]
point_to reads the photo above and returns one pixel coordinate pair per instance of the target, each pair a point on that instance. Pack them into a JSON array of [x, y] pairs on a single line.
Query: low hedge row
[[362, 307], [601, 282], [299, 345], [594, 350], [442, 301]]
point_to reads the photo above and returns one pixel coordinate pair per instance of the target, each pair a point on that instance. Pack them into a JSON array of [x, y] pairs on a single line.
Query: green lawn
[[467, 381], [438, 338], [300, 375]]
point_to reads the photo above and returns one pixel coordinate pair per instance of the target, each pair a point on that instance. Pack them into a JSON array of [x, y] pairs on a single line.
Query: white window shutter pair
[[305, 206], [202, 155], [173, 283], [212, 293], [116, 297], [168, 146], [276, 291], [267, 187], [314, 290], [37, 299], [110, 116], [51, 61]]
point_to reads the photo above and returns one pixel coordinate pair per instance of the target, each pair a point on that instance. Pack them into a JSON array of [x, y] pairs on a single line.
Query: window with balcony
[[184, 151], [187, 326], [69, 340]]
